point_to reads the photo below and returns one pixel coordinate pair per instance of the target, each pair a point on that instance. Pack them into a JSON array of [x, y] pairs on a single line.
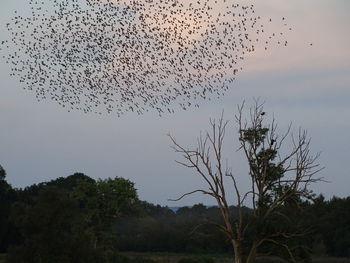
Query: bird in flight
[[132, 55]]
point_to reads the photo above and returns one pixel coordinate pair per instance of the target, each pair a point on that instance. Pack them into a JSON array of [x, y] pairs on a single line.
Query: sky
[[306, 85]]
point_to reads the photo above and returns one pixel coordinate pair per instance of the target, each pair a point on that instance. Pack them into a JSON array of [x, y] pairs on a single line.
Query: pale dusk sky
[[308, 85]]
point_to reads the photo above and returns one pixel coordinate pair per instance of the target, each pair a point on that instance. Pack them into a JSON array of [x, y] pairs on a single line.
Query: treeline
[[64, 220], [79, 219], [189, 229]]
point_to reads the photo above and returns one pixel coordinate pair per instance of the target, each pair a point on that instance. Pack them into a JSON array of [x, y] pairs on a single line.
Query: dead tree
[[276, 179]]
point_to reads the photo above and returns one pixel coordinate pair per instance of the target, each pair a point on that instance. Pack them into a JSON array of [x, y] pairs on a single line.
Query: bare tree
[[276, 180]]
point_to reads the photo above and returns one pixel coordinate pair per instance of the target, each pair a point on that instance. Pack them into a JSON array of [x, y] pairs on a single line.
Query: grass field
[[331, 260], [174, 258]]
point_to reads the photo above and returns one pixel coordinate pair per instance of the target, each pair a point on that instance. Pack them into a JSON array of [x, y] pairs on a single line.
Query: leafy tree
[[278, 182], [7, 197], [70, 219], [52, 229], [333, 238], [28, 194], [102, 203]]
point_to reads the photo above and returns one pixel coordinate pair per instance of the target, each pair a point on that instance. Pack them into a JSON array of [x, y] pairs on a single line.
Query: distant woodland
[[79, 219]]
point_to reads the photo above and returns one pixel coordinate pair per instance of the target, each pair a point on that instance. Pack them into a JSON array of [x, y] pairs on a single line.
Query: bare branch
[[190, 193]]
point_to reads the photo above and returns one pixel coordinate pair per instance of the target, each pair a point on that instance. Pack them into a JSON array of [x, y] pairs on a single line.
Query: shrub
[[201, 259]]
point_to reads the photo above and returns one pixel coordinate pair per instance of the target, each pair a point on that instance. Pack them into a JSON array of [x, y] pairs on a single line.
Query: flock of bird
[[133, 55]]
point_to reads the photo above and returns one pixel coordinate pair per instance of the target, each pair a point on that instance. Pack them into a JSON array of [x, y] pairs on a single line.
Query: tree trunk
[[237, 248], [238, 253], [252, 254]]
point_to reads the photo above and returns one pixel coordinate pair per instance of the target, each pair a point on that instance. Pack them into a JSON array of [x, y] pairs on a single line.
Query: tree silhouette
[[278, 182]]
